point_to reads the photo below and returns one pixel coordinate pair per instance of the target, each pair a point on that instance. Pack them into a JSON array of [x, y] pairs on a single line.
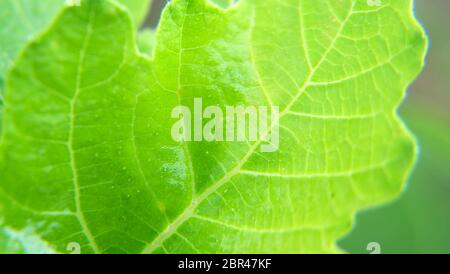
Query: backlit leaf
[[87, 154]]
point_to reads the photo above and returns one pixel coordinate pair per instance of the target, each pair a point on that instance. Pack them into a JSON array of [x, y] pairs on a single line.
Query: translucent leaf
[[87, 154], [20, 20]]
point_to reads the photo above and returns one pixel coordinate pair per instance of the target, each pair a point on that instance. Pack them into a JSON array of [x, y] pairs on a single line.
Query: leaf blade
[[139, 190]]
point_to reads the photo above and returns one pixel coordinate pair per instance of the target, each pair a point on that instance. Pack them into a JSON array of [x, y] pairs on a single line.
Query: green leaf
[[20, 20], [87, 154]]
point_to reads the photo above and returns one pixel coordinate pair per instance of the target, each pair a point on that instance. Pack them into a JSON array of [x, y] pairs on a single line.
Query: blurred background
[[419, 221]]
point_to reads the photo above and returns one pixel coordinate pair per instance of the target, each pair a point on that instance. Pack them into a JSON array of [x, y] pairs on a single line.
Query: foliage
[[86, 154]]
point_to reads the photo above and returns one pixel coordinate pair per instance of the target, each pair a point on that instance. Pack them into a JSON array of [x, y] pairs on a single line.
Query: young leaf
[[87, 154], [20, 20]]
